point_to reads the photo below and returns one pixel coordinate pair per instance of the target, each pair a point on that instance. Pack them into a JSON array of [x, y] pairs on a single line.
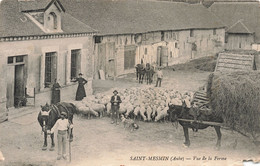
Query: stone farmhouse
[[41, 42], [44, 40]]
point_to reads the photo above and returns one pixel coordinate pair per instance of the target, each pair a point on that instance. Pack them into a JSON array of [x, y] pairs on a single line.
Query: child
[[62, 125]]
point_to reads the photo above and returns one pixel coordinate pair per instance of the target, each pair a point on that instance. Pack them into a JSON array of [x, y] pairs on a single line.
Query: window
[[19, 59], [145, 51], [54, 20], [239, 44], [75, 63], [226, 37], [176, 45], [214, 31], [98, 39], [191, 33], [50, 68], [10, 60], [171, 54], [15, 59], [162, 36]]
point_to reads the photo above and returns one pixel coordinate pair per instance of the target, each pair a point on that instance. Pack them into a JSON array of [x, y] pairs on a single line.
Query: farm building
[[242, 21], [40, 42], [156, 32]]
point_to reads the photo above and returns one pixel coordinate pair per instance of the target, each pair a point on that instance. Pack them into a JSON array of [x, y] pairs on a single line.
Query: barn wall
[[34, 49], [239, 41], [179, 46], [3, 88]]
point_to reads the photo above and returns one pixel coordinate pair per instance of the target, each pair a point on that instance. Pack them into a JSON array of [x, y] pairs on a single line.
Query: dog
[[129, 123]]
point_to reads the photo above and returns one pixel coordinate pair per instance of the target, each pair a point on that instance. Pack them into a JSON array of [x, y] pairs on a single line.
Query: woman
[[55, 92], [80, 94]]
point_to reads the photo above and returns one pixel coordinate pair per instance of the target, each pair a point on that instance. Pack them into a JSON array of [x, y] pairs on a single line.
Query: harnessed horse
[[48, 116], [183, 112]]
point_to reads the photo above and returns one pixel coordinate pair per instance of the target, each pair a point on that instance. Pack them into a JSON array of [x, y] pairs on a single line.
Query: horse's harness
[[56, 111]]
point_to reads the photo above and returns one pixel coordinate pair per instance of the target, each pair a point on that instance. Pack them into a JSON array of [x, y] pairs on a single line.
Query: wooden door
[[110, 52], [18, 83], [10, 86], [129, 57]]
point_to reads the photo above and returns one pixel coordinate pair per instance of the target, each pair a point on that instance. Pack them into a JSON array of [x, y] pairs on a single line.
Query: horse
[[184, 112], [141, 73], [48, 116]]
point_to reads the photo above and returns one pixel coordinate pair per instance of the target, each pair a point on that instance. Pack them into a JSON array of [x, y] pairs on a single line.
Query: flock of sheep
[[147, 104]]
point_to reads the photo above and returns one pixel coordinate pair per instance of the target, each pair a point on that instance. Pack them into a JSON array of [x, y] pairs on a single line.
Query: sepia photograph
[[130, 82]]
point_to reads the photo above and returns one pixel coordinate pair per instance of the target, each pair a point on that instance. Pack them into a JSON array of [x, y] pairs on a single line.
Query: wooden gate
[[110, 65], [162, 56], [129, 57]]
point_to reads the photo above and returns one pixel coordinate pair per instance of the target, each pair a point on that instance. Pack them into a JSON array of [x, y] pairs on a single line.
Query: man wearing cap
[[159, 77], [80, 94], [115, 104], [62, 125]]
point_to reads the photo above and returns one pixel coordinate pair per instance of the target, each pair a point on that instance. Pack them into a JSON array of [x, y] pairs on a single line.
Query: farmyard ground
[[99, 143]]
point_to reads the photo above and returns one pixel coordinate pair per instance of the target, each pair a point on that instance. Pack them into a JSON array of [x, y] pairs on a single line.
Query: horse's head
[[174, 112], [44, 117]]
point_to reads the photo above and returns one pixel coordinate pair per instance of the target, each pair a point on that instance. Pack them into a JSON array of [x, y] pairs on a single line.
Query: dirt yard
[[99, 143]]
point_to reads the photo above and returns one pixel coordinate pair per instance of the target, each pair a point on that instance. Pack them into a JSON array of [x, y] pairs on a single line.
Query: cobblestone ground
[[99, 143]]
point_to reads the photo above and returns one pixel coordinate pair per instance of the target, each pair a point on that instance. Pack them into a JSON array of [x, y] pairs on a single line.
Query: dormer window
[[48, 18], [52, 18]]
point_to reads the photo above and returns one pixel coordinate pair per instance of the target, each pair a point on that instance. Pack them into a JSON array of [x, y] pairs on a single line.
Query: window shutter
[[54, 67], [79, 54], [68, 66], [42, 71]]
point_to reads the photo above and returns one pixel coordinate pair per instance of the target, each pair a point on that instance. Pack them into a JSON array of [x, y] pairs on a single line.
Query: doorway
[[19, 88]]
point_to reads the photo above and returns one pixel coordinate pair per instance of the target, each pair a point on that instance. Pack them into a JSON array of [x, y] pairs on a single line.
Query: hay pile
[[236, 97]]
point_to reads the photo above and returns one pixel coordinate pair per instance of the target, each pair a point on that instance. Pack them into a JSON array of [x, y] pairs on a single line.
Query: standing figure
[[137, 68], [148, 73], [141, 73], [63, 126], [159, 77], [55, 97], [152, 73], [115, 104], [80, 94]]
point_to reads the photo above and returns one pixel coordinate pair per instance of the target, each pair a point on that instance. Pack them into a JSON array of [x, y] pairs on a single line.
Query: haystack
[[236, 97]]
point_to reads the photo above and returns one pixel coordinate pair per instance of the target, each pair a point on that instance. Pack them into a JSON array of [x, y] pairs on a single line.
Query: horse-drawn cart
[[198, 116], [202, 103]]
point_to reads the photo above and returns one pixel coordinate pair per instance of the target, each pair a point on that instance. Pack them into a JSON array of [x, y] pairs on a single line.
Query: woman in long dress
[[80, 94], [55, 92]]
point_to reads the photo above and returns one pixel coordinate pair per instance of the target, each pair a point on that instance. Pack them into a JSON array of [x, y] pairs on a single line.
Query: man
[[159, 77], [115, 104], [62, 125]]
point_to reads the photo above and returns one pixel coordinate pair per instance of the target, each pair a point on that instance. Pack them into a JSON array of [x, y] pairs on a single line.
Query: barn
[[155, 32], [242, 21], [41, 42]]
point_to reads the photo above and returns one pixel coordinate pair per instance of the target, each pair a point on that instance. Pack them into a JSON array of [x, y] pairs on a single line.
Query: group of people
[[63, 125], [148, 72]]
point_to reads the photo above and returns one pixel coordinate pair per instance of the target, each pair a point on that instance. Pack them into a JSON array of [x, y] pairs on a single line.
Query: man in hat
[[159, 77], [115, 104], [80, 94], [62, 125]]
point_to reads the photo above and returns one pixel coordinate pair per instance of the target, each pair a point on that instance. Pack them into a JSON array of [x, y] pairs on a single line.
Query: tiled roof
[[239, 28], [231, 12], [138, 16], [15, 23]]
